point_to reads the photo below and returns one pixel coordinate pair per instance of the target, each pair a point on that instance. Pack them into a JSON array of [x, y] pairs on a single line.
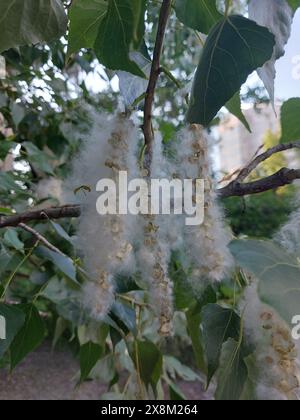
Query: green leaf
[[115, 337], [94, 332], [58, 291], [90, 354], [176, 393], [38, 158], [278, 274], [219, 324], [183, 296], [31, 22], [249, 392], [18, 112], [234, 106], [85, 17], [12, 240], [290, 122], [5, 259], [8, 182], [194, 331], [61, 232], [200, 15], [72, 311], [125, 284], [193, 317], [6, 212], [14, 320], [60, 327], [233, 373], [126, 315], [132, 87], [235, 47], [149, 360], [63, 263], [295, 4], [115, 37], [29, 337], [139, 10], [176, 369], [3, 99]]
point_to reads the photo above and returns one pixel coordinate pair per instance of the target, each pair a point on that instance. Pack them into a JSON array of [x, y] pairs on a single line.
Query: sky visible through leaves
[[286, 86]]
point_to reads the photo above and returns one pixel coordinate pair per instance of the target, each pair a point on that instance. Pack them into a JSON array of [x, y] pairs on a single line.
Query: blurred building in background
[[237, 146]]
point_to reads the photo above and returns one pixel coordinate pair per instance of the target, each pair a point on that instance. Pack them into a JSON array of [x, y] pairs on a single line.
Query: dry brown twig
[[40, 238]]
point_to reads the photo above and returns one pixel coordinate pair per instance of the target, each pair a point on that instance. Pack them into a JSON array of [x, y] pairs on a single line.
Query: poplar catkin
[[104, 240], [289, 234], [276, 353], [107, 241], [155, 251], [207, 244]]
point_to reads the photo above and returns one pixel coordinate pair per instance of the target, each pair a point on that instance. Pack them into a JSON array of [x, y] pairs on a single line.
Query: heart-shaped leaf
[[278, 274], [219, 324], [85, 18], [29, 337], [31, 22], [235, 47], [115, 37]]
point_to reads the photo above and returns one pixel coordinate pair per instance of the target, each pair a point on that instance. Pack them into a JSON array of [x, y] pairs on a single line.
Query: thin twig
[[281, 178], [12, 276], [264, 156], [154, 75], [40, 238]]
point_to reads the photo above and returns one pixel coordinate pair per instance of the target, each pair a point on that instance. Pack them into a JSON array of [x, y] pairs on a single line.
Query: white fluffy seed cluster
[[107, 242], [276, 352], [289, 235], [49, 188], [155, 251], [277, 355], [103, 240], [153, 259], [207, 244]]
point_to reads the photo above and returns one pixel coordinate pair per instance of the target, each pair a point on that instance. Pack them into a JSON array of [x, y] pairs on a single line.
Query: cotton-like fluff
[[104, 240], [155, 250], [276, 352], [289, 235], [207, 244], [49, 188]]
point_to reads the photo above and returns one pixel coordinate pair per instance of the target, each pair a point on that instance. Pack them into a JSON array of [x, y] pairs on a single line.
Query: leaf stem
[[12, 276], [137, 359], [228, 6], [171, 77]]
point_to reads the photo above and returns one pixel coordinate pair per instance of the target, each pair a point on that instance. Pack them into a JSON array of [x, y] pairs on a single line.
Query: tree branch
[[235, 189], [238, 189], [50, 213], [154, 75], [264, 156], [40, 238]]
